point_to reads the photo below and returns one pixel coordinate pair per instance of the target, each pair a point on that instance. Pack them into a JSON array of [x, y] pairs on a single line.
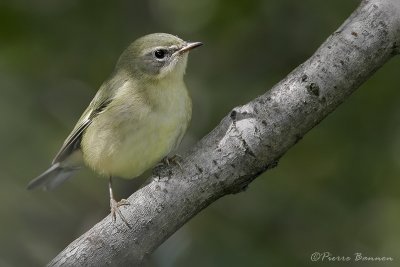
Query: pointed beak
[[189, 46]]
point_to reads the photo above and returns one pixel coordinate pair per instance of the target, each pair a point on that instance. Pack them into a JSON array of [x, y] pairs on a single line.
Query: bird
[[137, 117]]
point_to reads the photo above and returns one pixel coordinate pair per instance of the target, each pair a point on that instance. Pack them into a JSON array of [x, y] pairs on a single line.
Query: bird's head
[[156, 56]]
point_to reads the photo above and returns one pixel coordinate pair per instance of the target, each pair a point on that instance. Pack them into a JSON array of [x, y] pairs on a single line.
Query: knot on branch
[[243, 123]]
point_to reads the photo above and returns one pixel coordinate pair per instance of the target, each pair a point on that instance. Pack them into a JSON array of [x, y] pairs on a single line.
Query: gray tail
[[51, 178]]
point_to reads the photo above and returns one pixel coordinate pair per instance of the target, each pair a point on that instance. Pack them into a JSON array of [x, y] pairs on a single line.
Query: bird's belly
[[135, 147]]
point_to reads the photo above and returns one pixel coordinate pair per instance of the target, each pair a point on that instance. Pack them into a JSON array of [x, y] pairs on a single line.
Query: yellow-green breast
[[130, 137]]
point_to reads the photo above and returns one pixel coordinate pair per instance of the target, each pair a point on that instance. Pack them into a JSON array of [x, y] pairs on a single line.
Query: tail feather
[[52, 178]]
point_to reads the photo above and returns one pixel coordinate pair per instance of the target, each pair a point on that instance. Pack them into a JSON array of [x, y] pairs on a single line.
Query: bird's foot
[[159, 171], [175, 159], [115, 209]]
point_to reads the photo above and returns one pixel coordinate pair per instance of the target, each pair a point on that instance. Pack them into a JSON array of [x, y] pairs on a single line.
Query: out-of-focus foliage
[[338, 190]]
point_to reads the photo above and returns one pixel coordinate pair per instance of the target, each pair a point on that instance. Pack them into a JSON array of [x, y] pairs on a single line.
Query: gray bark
[[246, 143]]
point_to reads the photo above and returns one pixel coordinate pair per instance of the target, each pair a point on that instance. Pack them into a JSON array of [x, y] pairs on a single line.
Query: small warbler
[[138, 116]]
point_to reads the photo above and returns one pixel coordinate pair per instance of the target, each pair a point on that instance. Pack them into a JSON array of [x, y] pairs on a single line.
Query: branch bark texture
[[246, 143]]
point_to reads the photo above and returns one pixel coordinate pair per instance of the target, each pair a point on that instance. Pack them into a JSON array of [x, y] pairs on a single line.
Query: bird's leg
[[115, 205]]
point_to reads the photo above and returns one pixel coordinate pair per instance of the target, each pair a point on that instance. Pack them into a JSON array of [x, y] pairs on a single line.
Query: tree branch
[[247, 142]]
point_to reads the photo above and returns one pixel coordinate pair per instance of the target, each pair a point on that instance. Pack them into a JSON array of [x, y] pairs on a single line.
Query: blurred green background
[[338, 190]]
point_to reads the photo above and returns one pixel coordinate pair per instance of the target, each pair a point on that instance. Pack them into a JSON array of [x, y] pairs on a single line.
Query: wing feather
[[99, 103], [73, 141]]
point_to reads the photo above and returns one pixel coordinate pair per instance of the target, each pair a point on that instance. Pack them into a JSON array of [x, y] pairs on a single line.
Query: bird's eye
[[160, 53]]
